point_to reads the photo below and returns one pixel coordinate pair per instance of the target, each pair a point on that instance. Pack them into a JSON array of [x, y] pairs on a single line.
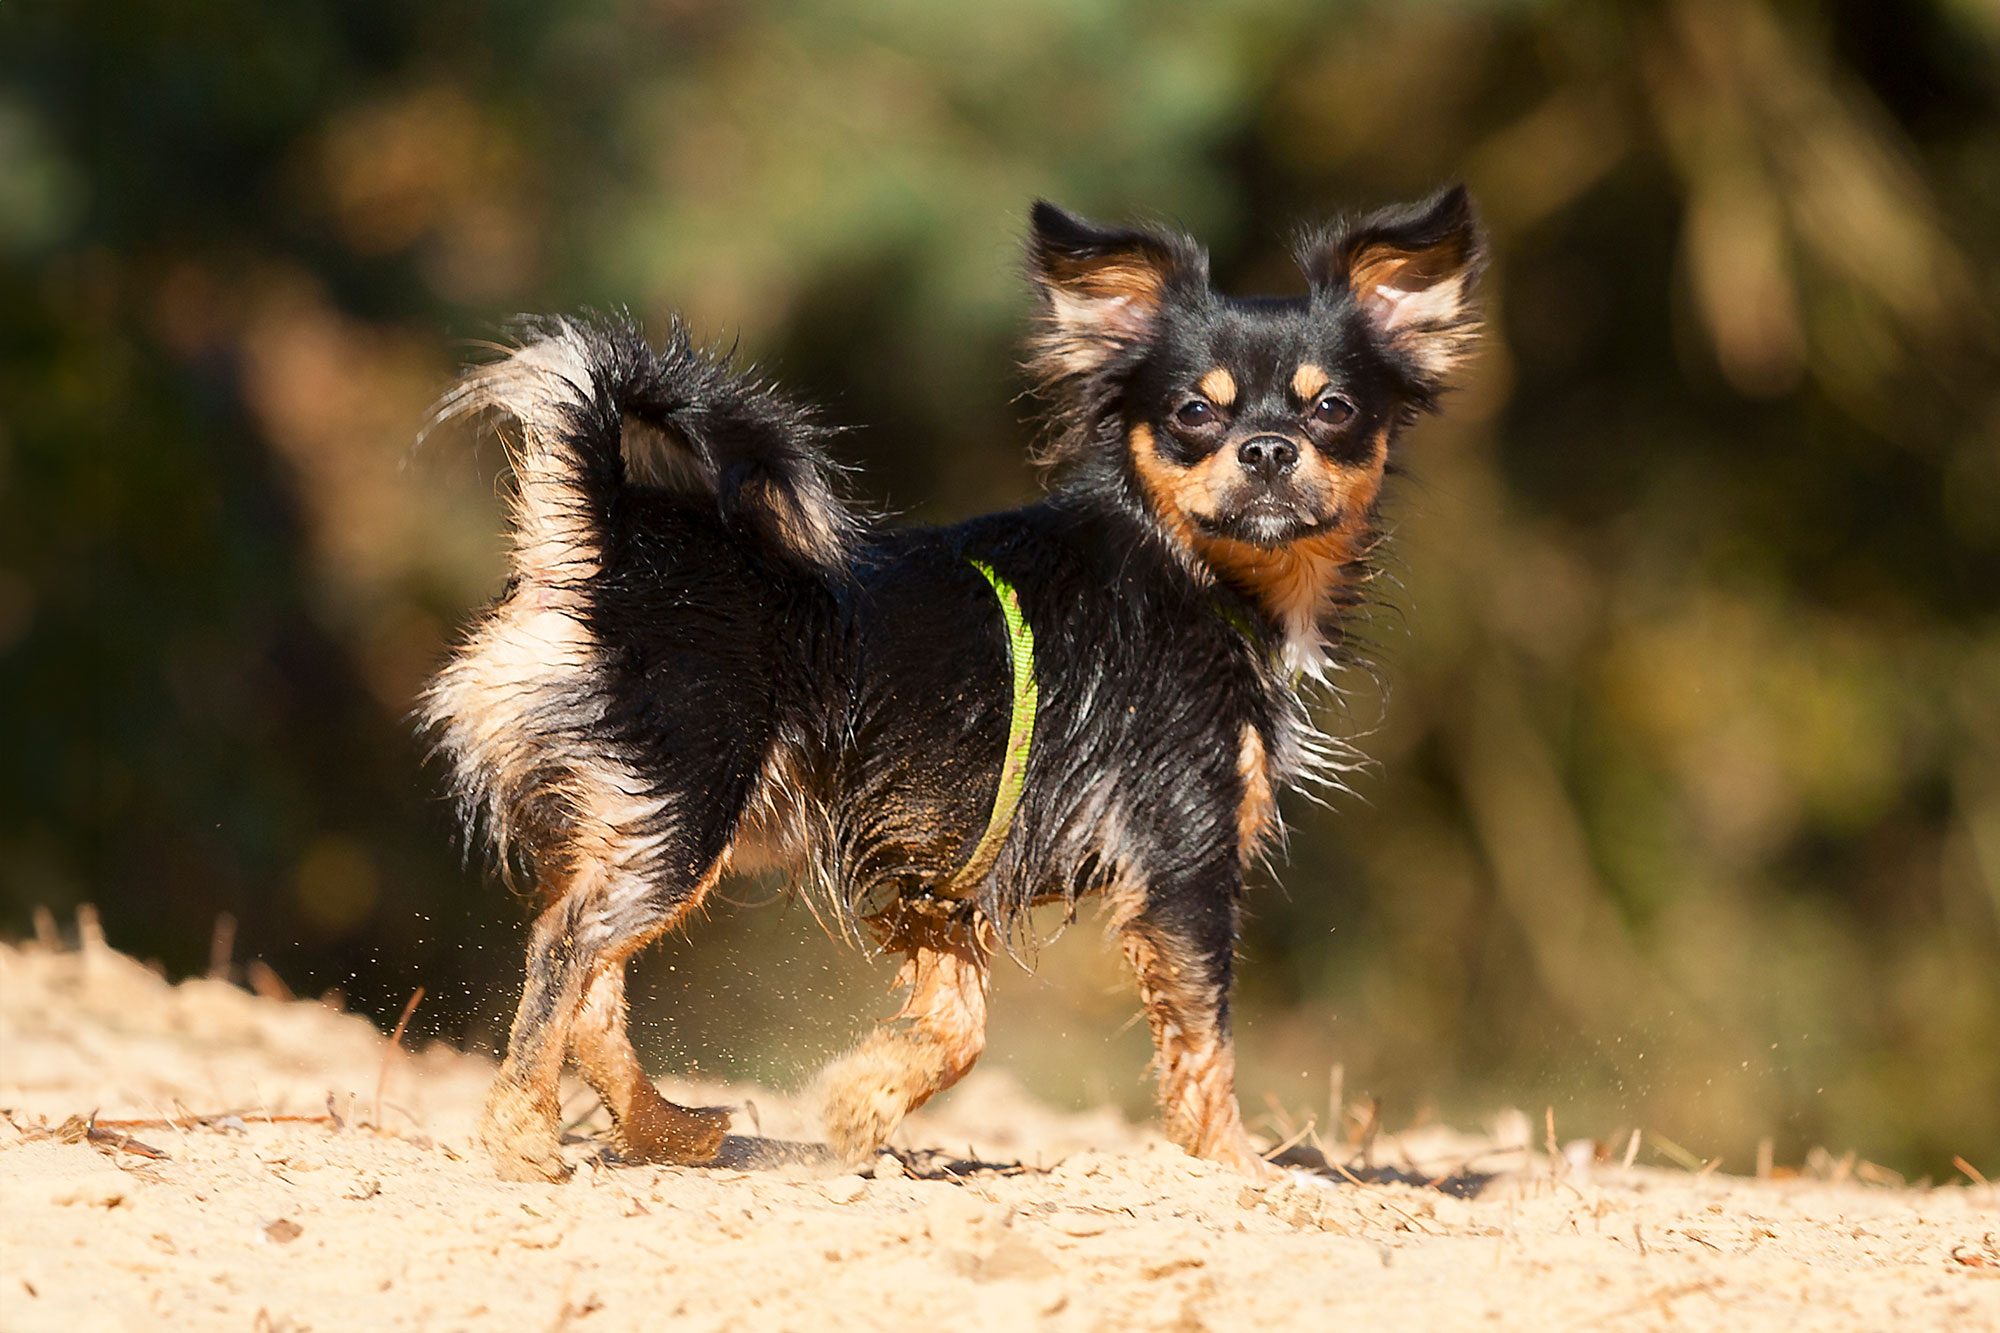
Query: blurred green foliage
[[1688, 809]]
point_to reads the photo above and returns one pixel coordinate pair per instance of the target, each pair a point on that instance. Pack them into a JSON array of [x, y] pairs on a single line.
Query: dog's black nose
[[1267, 456]]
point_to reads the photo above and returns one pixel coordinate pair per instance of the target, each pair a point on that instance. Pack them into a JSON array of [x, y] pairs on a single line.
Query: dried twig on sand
[[389, 1051], [104, 1135]]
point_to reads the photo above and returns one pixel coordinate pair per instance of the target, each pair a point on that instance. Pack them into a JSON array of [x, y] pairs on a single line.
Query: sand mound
[[238, 1174]]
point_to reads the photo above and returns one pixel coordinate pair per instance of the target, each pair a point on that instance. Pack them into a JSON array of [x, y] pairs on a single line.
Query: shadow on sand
[[748, 1152]]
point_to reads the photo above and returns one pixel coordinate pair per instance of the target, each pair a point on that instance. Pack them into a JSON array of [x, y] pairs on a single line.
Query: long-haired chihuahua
[[707, 659]]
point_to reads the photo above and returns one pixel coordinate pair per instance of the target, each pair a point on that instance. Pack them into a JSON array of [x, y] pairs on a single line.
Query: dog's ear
[[1411, 270], [1102, 289]]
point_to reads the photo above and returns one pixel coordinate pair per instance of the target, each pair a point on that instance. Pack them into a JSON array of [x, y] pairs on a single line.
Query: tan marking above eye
[[1218, 386], [1308, 380]]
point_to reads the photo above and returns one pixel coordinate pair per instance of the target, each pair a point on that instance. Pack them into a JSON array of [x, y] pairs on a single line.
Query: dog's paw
[[529, 1166], [673, 1135], [863, 1097], [858, 1123], [1238, 1155], [1260, 1170], [520, 1135]]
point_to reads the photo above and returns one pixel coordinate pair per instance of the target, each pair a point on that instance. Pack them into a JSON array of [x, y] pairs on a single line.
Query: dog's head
[[1255, 430]]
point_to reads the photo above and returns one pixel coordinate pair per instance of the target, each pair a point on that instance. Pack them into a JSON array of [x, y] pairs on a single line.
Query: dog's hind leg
[[519, 1127], [928, 1046], [597, 923], [649, 1128]]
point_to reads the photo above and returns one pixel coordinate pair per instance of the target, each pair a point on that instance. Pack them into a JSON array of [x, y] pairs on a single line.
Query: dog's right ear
[[1102, 288]]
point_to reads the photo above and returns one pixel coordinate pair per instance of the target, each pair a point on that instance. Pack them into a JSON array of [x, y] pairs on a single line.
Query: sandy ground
[[216, 1211]]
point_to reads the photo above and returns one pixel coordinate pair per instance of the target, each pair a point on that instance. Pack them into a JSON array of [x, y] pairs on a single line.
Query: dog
[[707, 659]]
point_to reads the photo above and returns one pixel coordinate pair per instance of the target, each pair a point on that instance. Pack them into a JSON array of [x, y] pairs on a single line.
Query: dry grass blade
[[389, 1051], [1972, 1172], [1347, 1173], [1987, 1256], [1871, 1173], [119, 1141], [1336, 1094], [216, 1120], [222, 947], [89, 929], [1367, 1126], [105, 1135], [1282, 1124], [1293, 1140], [264, 981], [1676, 1154], [1352, 1179], [1403, 1152], [1660, 1300]]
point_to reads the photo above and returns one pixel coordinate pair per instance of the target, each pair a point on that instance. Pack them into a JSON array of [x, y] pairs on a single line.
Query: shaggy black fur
[[739, 665]]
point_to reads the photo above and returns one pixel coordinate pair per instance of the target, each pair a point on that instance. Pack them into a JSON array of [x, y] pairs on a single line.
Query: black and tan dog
[[706, 659]]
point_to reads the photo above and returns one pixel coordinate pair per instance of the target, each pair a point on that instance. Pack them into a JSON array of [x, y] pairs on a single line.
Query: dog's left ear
[[1411, 270], [1103, 289]]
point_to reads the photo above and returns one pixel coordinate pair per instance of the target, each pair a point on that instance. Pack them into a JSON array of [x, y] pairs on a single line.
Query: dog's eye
[[1333, 410], [1195, 412]]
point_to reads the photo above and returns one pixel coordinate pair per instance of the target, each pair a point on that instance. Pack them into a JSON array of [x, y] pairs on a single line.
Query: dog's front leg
[[1179, 934], [923, 1050]]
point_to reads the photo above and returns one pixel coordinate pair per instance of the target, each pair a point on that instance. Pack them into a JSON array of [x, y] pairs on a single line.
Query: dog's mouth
[[1268, 521]]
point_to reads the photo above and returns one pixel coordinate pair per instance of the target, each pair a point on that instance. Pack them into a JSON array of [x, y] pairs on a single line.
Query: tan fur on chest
[[1291, 583], [1294, 583]]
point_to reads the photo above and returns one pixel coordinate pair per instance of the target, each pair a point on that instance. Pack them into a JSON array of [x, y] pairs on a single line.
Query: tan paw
[[1237, 1154], [859, 1121], [521, 1137], [864, 1096], [674, 1135], [529, 1165]]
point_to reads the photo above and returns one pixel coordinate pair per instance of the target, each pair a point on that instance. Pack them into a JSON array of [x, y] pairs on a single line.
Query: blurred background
[[1687, 813]]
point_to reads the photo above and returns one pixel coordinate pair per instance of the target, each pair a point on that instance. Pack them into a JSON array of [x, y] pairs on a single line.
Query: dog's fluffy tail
[[519, 712], [599, 408]]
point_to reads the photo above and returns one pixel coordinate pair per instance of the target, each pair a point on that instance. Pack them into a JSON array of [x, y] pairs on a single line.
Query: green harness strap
[[1021, 724], [1237, 620], [1020, 736]]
